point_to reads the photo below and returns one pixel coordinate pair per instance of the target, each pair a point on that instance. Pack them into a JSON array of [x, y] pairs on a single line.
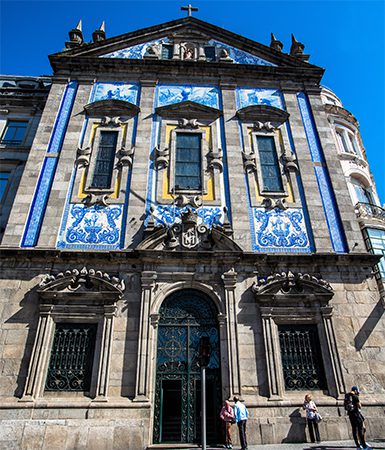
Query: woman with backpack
[[312, 417]]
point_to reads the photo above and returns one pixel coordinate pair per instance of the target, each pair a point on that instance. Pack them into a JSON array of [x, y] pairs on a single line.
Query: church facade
[[188, 184]]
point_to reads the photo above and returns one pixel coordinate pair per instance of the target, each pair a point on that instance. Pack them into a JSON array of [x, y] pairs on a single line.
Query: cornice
[[171, 69]]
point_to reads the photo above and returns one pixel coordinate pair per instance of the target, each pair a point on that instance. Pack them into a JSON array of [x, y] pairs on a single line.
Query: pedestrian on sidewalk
[[353, 407], [241, 415], [312, 418], [228, 418]]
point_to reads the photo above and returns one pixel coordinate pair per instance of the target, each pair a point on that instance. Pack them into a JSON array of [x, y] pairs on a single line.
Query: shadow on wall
[[297, 432], [369, 325], [28, 315]]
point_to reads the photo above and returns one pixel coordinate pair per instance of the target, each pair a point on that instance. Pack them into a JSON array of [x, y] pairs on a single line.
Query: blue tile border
[[47, 173], [329, 203]]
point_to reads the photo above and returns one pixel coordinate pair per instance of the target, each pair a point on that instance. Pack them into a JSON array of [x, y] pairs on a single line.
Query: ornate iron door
[[184, 318]]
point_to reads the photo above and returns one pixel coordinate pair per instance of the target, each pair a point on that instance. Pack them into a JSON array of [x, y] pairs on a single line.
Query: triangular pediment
[[189, 39], [189, 110]]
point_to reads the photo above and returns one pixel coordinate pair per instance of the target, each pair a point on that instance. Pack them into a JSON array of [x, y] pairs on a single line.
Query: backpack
[[348, 403]]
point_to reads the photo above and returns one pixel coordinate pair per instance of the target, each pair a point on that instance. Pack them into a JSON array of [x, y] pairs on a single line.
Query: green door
[[185, 317]]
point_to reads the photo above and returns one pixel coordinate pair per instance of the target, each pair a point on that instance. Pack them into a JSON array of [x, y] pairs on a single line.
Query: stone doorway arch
[[184, 317]]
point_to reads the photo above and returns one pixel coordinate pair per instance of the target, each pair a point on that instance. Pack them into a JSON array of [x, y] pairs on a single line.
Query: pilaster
[[236, 174], [229, 280], [143, 370]]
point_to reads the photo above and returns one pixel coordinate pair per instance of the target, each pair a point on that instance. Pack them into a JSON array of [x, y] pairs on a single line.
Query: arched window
[[362, 193], [347, 141]]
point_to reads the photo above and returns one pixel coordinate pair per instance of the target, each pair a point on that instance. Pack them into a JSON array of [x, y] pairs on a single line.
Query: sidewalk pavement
[[330, 445]]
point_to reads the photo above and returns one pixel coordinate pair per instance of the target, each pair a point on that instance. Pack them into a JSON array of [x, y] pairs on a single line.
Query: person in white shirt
[[241, 415], [311, 415]]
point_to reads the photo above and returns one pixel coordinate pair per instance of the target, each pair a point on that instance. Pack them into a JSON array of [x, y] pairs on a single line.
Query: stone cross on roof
[[189, 8]]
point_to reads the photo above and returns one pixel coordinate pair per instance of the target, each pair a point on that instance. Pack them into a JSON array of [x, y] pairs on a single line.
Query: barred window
[[271, 176], [301, 357], [70, 366], [104, 164]]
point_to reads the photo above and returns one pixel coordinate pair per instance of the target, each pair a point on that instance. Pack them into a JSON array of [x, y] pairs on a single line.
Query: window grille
[[188, 167], [70, 366], [301, 357], [104, 164], [270, 170], [14, 132]]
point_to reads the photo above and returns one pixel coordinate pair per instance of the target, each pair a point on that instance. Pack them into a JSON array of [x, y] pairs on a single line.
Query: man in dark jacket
[[353, 407]]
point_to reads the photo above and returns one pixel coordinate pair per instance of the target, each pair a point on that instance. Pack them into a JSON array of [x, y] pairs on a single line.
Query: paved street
[[331, 445]]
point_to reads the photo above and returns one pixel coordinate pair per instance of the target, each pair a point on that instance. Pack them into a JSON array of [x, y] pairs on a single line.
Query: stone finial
[[297, 49], [275, 43], [100, 34], [76, 36]]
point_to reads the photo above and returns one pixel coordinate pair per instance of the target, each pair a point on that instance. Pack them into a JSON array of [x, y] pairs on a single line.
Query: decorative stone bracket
[[125, 157], [249, 163], [83, 156], [162, 158], [215, 160], [268, 126], [113, 121], [190, 124], [271, 203], [289, 162], [96, 199]]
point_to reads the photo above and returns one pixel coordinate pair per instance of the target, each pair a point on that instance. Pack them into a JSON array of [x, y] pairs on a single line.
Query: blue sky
[[345, 37]]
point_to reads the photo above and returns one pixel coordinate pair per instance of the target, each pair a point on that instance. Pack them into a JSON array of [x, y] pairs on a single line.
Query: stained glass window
[[271, 177], [188, 169], [104, 164]]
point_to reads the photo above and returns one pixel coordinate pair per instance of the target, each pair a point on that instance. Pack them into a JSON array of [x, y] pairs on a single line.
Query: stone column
[[336, 369], [142, 371], [40, 354], [105, 353], [229, 280], [272, 352]]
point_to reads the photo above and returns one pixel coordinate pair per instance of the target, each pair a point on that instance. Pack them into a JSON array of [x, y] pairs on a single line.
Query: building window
[[347, 142], [376, 244], [104, 162], [4, 177], [210, 53], [14, 132], [188, 164], [363, 194], [167, 51], [301, 357], [70, 366], [270, 170]]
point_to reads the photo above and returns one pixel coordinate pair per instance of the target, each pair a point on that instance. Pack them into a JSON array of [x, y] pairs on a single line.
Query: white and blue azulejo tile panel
[[167, 215], [127, 92], [135, 51], [94, 227], [333, 218], [259, 96], [205, 95], [240, 56], [47, 174], [278, 230]]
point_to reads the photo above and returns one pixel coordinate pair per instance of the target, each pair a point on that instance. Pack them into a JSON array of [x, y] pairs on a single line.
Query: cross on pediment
[[189, 8]]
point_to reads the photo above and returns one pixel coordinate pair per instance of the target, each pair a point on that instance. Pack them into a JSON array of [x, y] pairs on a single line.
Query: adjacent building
[[185, 185]]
